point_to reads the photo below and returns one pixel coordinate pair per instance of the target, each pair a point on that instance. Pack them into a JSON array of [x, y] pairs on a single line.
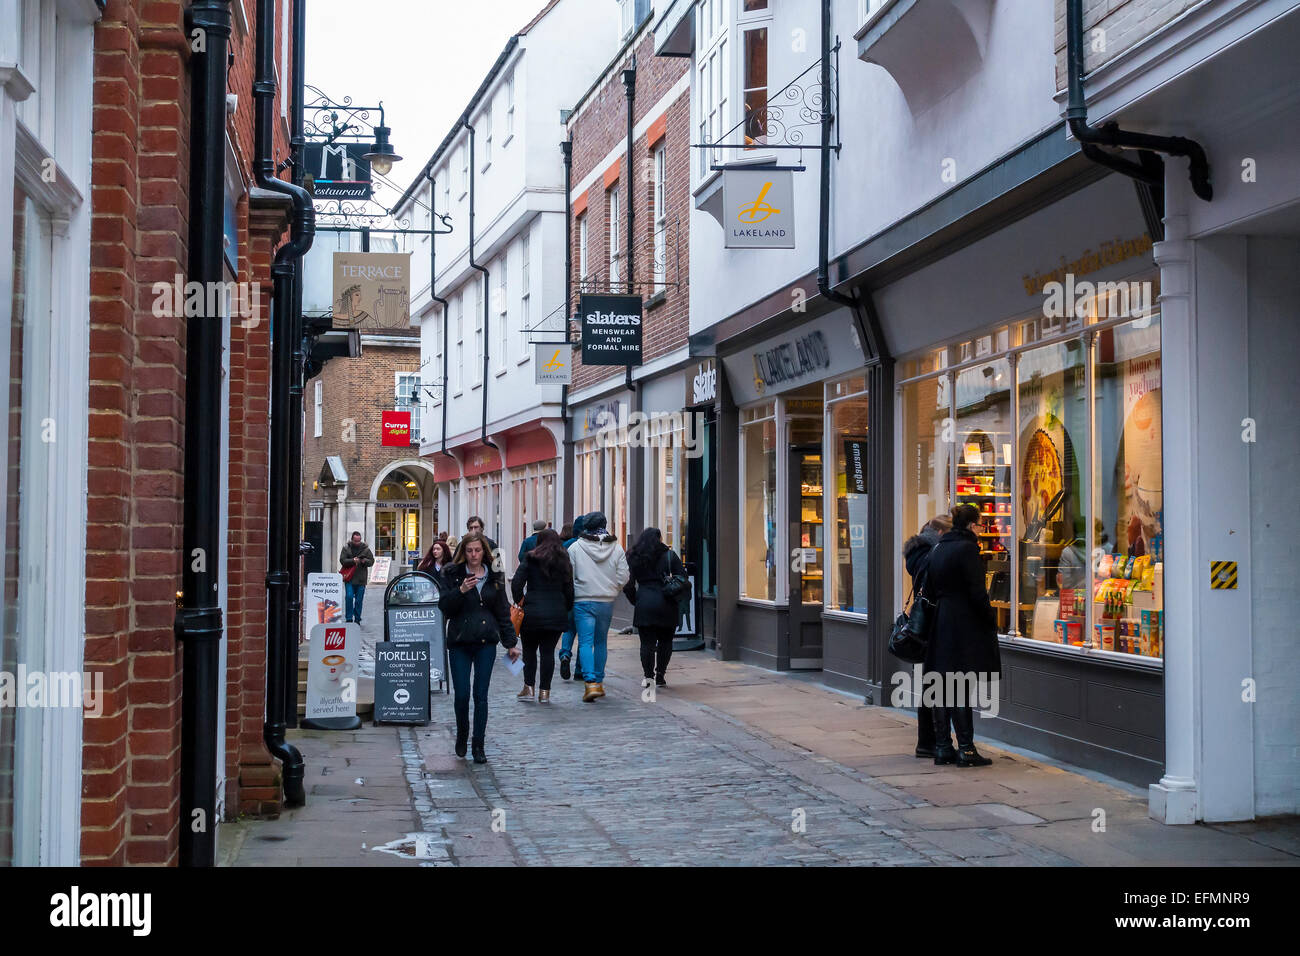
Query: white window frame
[[486, 121], [510, 109], [478, 332], [626, 18], [659, 265], [615, 227], [464, 171], [438, 344], [460, 342], [318, 403], [525, 297], [582, 252], [406, 398], [752, 24], [712, 83], [503, 315]]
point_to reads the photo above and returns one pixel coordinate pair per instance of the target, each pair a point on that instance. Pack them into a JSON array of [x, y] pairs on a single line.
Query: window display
[[759, 515], [982, 433], [926, 415], [847, 401]]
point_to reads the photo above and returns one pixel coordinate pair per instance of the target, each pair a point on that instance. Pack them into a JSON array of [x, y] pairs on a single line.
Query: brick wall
[[1122, 23], [599, 126], [139, 199]]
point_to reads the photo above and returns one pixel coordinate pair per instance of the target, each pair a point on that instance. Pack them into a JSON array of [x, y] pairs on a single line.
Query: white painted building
[[512, 125]]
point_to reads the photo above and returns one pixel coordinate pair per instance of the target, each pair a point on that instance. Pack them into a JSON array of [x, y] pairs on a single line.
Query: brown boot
[[525, 694], [593, 692], [543, 697]]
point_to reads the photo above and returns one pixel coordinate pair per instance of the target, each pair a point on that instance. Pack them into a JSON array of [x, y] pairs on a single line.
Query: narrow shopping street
[[730, 765]]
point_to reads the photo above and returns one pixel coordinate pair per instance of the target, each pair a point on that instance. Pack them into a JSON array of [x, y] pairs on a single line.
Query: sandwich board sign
[[323, 603], [332, 676], [402, 682]]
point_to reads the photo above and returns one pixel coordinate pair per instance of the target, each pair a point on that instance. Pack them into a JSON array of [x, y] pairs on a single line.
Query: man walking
[[599, 573], [475, 523], [355, 554], [530, 542]]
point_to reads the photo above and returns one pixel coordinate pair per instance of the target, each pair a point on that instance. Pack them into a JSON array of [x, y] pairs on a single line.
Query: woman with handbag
[[478, 618], [657, 583], [964, 641], [916, 555], [544, 579]]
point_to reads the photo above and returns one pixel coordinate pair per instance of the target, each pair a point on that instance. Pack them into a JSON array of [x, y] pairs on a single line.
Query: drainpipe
[[198, 625], [566, 508], [282, 546], [1150, 167], [824, 172], [487, 288], [636, 487]]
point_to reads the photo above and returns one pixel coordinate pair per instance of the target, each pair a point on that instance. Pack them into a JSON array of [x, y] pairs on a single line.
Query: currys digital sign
[[611, 329]]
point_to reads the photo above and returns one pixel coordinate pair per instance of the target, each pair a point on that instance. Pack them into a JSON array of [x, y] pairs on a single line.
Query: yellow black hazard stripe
[[1223, 575]]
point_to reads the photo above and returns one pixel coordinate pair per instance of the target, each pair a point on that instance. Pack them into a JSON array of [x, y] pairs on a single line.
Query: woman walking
[[964, 643], [478, 618], [916, 556], [655, 616], [436, 562], [544, 579]]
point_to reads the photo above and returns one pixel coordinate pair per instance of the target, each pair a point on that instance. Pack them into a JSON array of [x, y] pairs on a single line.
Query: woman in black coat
[[544, 579], [656, 615], [916, 556], [965, 639], [478, 618]]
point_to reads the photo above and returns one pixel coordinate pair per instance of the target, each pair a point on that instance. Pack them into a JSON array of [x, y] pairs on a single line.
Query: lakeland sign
[[814, 351], [758, 208]]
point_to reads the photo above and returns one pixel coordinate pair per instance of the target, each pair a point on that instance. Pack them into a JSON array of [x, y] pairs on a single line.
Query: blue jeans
[[353, 596], [481, 658], [592, 619], [566, 639]]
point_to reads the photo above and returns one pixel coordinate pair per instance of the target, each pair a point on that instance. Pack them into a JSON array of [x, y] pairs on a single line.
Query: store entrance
[[807, 537]]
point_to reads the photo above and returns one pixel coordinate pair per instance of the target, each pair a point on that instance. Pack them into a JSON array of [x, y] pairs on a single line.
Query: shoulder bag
[[674, 585]]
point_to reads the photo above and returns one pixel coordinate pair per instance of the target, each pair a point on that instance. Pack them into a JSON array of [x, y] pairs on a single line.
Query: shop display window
[[1067, 465], [805, 438], [847, 405], [759, 511]]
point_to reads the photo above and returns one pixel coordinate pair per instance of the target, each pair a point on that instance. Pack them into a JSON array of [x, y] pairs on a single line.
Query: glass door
[[807, 530]]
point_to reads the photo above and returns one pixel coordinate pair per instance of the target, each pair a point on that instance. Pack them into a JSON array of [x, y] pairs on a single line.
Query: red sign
[[397, 429], [334, 638]]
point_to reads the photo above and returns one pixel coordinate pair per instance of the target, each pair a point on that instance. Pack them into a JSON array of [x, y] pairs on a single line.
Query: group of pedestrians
[[563, 589]]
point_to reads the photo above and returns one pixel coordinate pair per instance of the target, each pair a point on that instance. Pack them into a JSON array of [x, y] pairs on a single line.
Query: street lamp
[[382, 155]]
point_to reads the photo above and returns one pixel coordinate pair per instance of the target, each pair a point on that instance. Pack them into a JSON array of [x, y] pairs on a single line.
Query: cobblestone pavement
[[730, 765]]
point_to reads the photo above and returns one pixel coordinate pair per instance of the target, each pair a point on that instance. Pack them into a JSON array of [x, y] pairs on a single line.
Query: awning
[[332, 473], [480, 459], [445, 468], [529, 447]]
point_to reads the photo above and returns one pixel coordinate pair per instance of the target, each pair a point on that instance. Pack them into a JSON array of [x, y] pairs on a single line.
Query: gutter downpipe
[[636, 487], [282, 547], [198, 626], [1150, 169], [487, 288], [566, 506]]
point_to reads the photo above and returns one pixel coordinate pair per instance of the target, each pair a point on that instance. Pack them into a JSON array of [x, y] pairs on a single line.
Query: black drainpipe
[[282, 545], [433, 272], [636, 487], [487, 289], [566, 508], [198, 626], [1150, 168]]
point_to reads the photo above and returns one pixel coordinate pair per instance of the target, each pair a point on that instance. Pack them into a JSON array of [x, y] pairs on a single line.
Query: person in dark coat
[[478, 618], [916, 554], [570, 629], [655, 616], [965, 638], [530, 542], [436, 562], [544, 579]]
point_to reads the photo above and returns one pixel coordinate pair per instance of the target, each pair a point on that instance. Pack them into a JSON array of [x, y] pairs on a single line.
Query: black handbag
[[910, 637], [674, 585]]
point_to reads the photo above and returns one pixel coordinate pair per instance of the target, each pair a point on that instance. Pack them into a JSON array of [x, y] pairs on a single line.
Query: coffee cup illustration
[[336, 666]]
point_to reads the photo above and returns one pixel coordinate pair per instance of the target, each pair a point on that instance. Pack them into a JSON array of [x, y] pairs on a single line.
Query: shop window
[[927, 454], [848, 450], [615, 233], [1128, 491], [1052, 453], [754, 86], [758, 505], [984, 446]]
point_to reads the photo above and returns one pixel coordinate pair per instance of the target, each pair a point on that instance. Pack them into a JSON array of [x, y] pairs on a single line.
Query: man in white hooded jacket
[[599, 573]]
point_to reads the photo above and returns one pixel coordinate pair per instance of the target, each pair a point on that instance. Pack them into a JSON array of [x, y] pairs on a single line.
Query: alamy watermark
[[179, 298], [975, 689], [653, 430], [40, 689]]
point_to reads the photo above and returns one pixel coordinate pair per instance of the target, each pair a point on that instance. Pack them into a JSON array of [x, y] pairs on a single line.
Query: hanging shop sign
[[814, 351], [855, 466], [702, 382], [396, 429], [551, 364], [611, 329], [758, 208], [372, 291], [338, 170], [332, 671]]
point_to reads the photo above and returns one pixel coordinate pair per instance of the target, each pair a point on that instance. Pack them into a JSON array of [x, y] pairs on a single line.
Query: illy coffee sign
[[611, 329]]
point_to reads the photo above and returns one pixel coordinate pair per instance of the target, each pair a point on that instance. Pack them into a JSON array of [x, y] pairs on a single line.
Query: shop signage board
[[611, 329], [855, 466], [551, 363], [372, 291], [379, 572], [702, 383], [323, 603], [759, 208], [332, 671], [412, 617], [395, 429], [338, 170], [402, 682], [812, 352]]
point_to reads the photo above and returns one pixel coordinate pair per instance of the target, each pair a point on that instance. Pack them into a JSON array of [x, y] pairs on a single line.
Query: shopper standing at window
[[599, 573], [916, 554], [544, 579], [478, 618], [964, 641], [355, 554], [655, 616]]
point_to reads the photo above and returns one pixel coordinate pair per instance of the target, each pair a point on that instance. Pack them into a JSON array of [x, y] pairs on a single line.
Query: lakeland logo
[[555, 364], [789, 361], [750, 215]]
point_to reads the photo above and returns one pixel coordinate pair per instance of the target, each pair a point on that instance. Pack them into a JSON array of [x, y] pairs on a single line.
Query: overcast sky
[[423, 58]]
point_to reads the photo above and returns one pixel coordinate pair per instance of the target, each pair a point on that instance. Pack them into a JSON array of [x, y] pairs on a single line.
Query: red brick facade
[[598, 126], [140, 152]]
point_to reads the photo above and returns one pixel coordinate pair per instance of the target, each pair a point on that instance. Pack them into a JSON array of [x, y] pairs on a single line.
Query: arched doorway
[[397, 517]]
